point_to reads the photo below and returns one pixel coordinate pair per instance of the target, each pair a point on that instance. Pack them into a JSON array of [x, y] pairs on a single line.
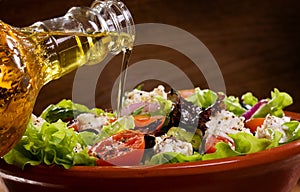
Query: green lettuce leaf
[[233, 105], [165, 106], [89, 138], [51, 143], [245, 143], [173, 157], [183, 135], [203, 98], [293, 131], [275, 138], [279, 100], [222, 150], [122, 123], [249, 99], [67, 110]]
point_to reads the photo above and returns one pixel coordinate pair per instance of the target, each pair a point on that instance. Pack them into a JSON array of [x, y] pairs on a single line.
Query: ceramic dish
[[276, 169]]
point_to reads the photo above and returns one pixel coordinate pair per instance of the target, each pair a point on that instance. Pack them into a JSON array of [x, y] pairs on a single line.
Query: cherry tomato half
[[123, 148], [149, 124], [74, 125], [253, 123], [187, 92], [211, 142]]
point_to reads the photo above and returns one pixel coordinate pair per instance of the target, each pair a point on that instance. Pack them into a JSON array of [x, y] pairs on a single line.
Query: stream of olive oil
[[121, 89]]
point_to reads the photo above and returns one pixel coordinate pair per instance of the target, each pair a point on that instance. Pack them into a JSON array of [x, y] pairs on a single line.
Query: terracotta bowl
[[277, 169]]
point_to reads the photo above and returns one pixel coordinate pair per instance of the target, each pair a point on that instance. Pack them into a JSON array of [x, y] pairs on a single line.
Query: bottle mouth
[[116, 16]]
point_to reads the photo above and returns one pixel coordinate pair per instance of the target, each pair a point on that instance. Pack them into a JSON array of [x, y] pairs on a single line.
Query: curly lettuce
[[275, 105], [233, 105], [293, 131], [203, 98], [122, 123], [51, 143], [173, 157]]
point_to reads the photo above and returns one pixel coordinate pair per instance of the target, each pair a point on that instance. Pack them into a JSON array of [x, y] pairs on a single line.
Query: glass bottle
[[32, 56]]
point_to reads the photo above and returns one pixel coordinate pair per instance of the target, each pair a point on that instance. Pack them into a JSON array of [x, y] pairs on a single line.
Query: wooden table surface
[[255, 43]]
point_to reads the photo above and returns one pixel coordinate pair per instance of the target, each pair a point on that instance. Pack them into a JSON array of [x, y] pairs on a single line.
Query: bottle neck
[[115, 17], [109, 16], [85, 35]]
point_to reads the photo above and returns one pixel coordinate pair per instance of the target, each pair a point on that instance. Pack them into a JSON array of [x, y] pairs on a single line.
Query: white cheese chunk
[[138, 96], [224, 123], [270, 125], [171, 144], [91, 121]]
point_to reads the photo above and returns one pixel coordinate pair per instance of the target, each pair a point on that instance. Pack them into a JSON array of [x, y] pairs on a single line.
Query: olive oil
[[19, 84], [30, 59], [123, 73]]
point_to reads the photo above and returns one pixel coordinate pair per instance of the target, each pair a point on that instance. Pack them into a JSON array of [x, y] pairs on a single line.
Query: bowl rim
[[286, 151]]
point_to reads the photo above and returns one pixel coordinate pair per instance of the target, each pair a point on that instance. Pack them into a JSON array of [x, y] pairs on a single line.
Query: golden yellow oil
[[19, 85], [123, 74], [66, 52], [30, 59]]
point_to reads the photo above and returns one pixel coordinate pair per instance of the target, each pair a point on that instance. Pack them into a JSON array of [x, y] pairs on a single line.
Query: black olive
[[149, 141], [90, 130]]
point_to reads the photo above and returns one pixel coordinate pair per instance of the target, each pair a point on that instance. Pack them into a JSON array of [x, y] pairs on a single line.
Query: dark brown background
[[256, 43]]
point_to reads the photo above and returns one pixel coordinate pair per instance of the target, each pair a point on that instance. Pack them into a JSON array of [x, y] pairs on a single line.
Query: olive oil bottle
[[30, 57]]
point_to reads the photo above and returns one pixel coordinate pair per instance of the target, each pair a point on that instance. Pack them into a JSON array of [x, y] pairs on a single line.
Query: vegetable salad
[[156, 127]]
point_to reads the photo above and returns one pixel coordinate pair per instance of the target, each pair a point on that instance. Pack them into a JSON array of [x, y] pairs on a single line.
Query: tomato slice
[[211, 142], [74, 125], [142, 120], [253, 123], [149, 124], [112, 120], [123, 148], [186, 93]]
